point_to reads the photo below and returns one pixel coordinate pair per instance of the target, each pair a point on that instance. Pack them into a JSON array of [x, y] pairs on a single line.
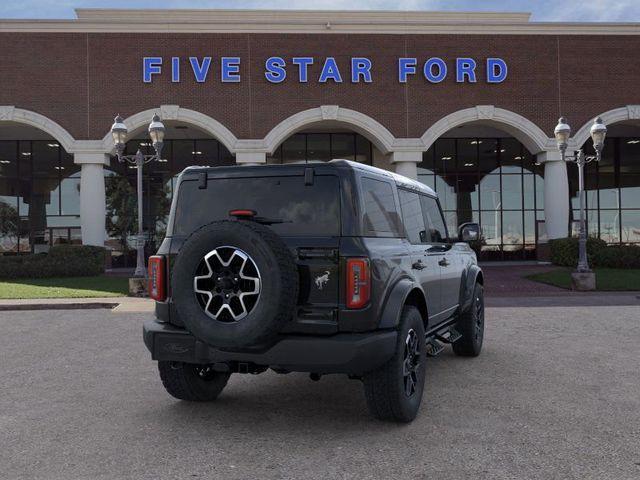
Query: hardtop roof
[[336, 164]]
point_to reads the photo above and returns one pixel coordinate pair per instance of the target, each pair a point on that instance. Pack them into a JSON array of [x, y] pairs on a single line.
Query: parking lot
[[555, 394]]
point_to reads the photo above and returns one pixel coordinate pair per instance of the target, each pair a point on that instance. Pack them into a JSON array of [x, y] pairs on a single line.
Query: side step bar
[[435, 344]]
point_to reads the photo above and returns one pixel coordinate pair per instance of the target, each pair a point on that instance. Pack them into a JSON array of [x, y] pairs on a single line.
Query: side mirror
[[469, 232]]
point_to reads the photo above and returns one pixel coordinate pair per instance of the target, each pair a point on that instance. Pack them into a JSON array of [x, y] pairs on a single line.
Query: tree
[[9, 221], [122, 210]]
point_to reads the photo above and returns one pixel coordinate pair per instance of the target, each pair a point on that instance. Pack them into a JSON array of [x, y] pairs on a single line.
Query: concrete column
[[406, 163], [556, 194], [92, 197], [251, 158]]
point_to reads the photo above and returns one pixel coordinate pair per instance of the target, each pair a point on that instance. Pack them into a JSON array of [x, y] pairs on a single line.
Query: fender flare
[[392, 309], [469, 279]]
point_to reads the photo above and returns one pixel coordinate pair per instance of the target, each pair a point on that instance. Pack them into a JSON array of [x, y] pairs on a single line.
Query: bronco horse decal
[[322, 280]]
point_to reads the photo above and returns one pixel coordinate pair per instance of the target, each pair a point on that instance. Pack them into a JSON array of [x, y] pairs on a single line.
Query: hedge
[[61, 261], [564, 252]]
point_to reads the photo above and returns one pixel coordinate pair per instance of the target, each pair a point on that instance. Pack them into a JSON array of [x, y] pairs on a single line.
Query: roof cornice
[[312, 21]]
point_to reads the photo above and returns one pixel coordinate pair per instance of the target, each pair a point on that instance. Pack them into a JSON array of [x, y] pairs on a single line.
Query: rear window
[[305, 210]]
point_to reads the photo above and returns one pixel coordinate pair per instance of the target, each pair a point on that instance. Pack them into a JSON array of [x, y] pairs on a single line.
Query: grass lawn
[[72, 287], [607, 279]]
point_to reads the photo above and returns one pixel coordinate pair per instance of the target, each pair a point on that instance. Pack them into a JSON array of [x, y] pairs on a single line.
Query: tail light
[[157, 279], [358, 282]]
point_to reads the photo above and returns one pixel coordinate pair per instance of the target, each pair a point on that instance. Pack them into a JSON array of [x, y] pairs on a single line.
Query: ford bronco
[[323, 268]]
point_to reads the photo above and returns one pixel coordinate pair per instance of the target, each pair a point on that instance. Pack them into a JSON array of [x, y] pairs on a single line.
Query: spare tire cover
[[234, 284]]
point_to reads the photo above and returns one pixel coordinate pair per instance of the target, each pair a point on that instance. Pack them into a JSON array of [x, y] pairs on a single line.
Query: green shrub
[[564, 251], [61, 261], [618, 256]]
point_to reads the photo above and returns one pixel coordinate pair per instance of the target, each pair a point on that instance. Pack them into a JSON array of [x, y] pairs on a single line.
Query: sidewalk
[[116, 304], [505, 286]]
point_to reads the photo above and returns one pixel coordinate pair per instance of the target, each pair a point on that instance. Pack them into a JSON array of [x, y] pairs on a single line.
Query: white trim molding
[[179, 114], [629, 112], [10, 113], [363, 124], [523, 129], [309, 21]]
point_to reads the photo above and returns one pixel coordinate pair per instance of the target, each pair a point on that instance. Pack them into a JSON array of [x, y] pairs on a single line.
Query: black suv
[[323, 268]]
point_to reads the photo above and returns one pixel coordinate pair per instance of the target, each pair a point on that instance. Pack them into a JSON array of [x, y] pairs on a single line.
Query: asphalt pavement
[[554, 395]]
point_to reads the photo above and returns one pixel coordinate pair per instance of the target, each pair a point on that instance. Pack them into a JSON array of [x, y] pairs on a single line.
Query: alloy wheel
[[227, 284]]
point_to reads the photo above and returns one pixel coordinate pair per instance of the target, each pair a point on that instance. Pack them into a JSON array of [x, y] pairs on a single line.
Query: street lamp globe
[[119, 133], [598, 132], [156, 132], [562, 133]]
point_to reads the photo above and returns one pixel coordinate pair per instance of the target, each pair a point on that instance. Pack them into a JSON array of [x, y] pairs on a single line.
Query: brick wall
[[82, 80]]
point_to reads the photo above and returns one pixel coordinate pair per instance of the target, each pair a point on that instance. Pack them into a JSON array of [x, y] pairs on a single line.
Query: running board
[[435, 345], [450, 336], [434, 348]]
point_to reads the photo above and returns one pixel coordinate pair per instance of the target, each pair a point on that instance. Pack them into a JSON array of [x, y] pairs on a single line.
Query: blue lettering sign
[[151, 66], [496, 70], [330, 71], [230, 69], [275, 69], [406, 66], [428, 70], [465, 67], [360, 67], [200, 71], [303, 67], [175, 69]]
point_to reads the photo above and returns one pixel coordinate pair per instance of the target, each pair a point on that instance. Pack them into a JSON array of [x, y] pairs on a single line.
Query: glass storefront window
[[512, 192], [630, 223], [610, 226], [493, 181], [319, 147]]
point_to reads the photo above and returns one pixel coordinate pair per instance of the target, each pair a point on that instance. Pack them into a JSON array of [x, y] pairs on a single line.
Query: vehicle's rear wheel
[[471, 326], [394, 391], [191, 382]]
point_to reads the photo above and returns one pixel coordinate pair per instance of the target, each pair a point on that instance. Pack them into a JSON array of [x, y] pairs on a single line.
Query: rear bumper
[[351, 353]]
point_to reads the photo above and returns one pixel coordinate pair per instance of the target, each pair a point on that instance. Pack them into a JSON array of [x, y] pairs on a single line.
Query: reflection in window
[[493, 181], [612, 188], [308, 147], [35, 194]]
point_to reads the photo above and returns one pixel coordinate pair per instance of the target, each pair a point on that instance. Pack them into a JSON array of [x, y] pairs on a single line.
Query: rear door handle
[[418, 265], [444, 262]]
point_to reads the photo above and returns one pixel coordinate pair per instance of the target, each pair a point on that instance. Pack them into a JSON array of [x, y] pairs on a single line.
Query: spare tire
[[234, 284]]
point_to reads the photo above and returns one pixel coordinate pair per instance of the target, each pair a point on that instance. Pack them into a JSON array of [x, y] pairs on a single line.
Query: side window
[[380, 213], [412, 216], [436, 230]]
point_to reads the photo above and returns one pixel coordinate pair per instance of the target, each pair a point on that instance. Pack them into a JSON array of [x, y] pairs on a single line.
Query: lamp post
[[119, 133], [562, 133]]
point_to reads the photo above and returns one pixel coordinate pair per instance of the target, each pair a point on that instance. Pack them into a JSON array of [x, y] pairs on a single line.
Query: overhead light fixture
[[476, 142], [145, 144], [502, 150], [25, 154], [198, 152], [632, 142], [447, 158], [59, 168], [469, 164], [53, 145], [517, 158], [5, 161]]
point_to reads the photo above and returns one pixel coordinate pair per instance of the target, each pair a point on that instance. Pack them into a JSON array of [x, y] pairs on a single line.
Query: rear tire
[[190, 382], [394, 391], [471, 326]]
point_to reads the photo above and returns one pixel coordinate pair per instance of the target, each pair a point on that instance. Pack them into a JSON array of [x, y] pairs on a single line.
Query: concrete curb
[[57, 306]]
